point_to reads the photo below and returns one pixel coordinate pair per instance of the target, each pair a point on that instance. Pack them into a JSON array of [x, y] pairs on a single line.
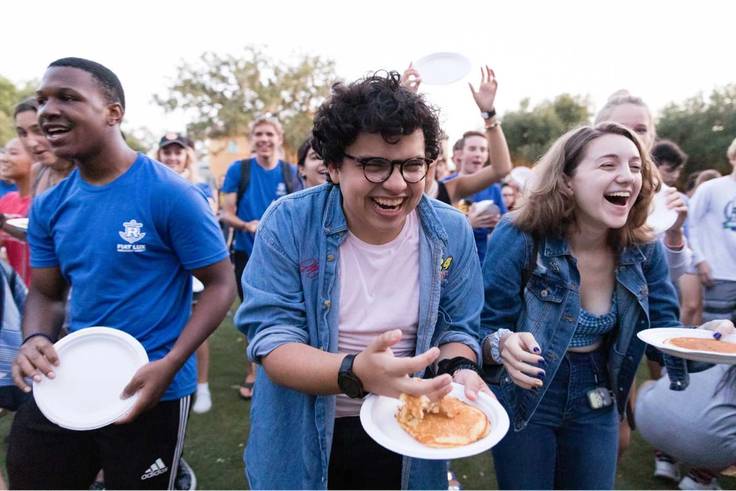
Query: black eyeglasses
[[378, 170]]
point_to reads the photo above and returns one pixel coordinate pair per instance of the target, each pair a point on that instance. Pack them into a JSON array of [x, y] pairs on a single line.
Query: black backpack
[[289, 178]]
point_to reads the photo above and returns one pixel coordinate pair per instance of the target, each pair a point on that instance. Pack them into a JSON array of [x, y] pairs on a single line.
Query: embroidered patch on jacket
[[445, 267], [310, 267]]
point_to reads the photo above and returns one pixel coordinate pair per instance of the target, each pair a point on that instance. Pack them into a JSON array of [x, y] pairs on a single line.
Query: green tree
[[530, 132], [10, 95], [703, 128], [223, 94]]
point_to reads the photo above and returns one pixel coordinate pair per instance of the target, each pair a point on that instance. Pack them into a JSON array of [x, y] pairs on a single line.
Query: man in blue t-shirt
[[127, 233], [247, 197], [474, 156]]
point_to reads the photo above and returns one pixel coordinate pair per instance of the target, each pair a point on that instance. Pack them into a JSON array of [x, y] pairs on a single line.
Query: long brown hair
[[549, 206]]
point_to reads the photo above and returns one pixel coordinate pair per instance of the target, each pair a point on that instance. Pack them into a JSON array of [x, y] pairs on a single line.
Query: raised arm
[[500, 157]]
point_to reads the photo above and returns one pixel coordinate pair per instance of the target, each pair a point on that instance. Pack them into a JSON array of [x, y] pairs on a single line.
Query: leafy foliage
[[703, 128], [530, 132], [10, 95], [223, 93]]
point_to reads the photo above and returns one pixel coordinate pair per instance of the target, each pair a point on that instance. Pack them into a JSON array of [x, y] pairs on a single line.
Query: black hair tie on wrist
[[452, 365], [30, 336]]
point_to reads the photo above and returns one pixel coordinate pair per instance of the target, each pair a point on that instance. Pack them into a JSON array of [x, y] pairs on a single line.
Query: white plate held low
[[378, 417], [95, 365]]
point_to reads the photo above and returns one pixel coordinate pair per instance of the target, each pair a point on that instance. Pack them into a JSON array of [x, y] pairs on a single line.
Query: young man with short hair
[[48, 168], [670, 161], [250, 186], [474, 157], [128, 234], [352, 288], [713, 237]]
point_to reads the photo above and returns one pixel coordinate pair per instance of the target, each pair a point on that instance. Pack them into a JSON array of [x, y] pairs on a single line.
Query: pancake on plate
[[444, 424], [703, 344]]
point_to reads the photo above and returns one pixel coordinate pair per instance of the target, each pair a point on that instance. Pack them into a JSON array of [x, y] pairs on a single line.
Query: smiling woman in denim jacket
[[569, 280], [354, 286]]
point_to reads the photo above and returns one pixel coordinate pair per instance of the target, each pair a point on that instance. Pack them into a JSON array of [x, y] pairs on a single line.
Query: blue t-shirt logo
[[131, 235]]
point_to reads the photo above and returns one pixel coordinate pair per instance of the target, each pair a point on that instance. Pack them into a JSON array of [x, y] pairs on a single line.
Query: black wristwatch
[[488, 114], [349, 383]]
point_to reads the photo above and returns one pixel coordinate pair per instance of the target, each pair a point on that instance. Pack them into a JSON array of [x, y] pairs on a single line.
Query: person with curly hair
[[326, 320]]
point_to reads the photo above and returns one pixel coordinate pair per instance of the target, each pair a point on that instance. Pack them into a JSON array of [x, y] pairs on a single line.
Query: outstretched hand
[[411, 79], [485, 96], [385, 374]]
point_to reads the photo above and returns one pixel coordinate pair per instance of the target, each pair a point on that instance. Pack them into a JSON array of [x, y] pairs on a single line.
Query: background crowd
[[476, 175]]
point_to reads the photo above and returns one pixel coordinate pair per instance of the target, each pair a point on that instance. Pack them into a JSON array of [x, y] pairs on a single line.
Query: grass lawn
[[215, 440]]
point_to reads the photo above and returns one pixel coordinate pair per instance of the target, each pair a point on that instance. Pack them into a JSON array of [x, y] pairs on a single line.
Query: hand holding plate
[[472, 383], [720, 327], [411, 79], [36, 357], [149, 382], [383, 373]]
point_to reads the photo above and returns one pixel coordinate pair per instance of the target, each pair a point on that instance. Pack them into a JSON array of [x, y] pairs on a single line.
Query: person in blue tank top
[[128, 234]]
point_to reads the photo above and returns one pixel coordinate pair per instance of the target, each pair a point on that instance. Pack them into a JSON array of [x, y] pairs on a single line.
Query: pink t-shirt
[[379, 291], [19, 255]]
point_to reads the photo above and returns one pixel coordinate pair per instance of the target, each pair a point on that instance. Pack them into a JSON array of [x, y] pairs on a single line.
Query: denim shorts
[[567, 444]]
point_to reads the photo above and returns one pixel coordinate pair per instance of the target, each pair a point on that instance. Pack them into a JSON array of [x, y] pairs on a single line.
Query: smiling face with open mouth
[[606, 182], [376, 212], [73, 112]]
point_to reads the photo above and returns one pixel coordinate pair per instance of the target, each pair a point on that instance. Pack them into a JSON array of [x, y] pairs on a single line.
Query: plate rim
[[437, 54], [432, 453], [60, 345], [13, 222], [696, 355]]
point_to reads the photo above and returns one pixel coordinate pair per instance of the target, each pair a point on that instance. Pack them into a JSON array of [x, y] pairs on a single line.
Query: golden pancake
[[447, 423], [703, 344]]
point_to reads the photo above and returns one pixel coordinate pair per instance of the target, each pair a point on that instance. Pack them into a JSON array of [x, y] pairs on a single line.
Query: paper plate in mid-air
[[661, 218], [19, 223], [442, 68], [378, 417], [95, 365]]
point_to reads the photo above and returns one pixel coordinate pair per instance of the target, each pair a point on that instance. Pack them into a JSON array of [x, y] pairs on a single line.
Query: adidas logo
[[156, 469]]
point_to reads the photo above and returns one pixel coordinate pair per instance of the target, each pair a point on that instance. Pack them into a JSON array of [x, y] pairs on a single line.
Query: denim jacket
[[291, 290], [644, 295]]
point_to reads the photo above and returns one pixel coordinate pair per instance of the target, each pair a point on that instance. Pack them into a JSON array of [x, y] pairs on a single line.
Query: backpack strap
[[288, 177], [244, 180]]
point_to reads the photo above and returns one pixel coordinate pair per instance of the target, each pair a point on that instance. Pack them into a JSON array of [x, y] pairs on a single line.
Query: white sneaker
[[202, 401], [666, 469], [690, 483]]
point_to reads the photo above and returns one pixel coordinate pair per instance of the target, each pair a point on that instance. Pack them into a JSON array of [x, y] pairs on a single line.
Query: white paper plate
[[520, 175], [658, 337], [378, 417], [19, 223], [442, 68], [486, 207], [197, 286], [661, 218], [95, 365]]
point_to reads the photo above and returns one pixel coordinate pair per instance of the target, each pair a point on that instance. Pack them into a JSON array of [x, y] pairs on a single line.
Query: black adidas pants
[[141, 455]]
